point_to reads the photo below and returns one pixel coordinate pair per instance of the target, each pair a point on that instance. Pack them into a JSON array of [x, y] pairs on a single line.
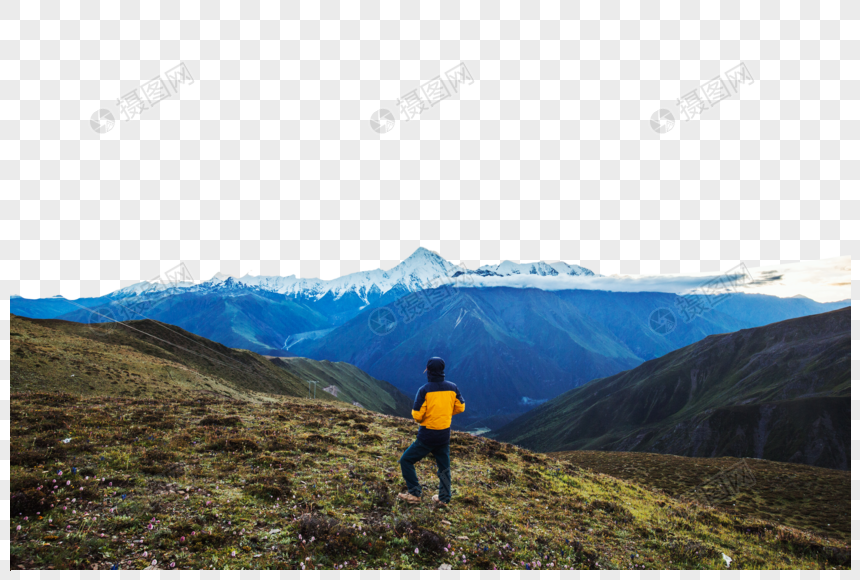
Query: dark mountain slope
[[778, 392]]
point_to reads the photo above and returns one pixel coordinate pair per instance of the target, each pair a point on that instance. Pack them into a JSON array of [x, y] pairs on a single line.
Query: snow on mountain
[[423, 269], [147, 287], [508, 268], [415, 273], [572, 269]]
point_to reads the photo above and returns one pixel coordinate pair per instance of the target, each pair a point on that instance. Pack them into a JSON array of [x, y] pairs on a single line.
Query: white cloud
[[821, 280]]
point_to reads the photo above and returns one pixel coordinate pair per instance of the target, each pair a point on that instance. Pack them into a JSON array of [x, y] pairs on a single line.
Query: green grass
[[802, 496], [354, 385], [334, 468], [160, 424]]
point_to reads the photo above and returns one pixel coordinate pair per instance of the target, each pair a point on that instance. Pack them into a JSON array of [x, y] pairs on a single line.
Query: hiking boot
[[409, 498], [438, 501]]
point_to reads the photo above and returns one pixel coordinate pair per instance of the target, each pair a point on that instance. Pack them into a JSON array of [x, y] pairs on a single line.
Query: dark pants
[[418, 451]]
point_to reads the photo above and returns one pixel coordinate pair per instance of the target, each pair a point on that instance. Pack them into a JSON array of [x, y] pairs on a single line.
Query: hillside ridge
[[775, 392]]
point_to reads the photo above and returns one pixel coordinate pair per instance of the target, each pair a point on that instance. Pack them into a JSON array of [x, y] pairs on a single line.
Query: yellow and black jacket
[[435, 404]]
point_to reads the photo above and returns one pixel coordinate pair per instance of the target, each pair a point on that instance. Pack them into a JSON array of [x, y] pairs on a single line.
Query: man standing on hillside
[[436, 402]]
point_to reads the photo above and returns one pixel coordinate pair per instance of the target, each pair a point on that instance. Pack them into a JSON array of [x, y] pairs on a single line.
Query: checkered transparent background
[[267, 163]]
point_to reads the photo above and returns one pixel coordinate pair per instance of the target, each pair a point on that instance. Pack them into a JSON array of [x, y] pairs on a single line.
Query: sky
[[822, 280]]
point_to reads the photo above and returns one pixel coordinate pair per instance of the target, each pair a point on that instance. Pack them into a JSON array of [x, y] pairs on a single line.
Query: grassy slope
[[353, 384], [211, 493], [698, 399], [140, 429], [134, 359], [806, 497]]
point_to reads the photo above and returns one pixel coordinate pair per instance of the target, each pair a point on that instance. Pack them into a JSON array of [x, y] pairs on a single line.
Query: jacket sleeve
[[459, 403], [419, 408]]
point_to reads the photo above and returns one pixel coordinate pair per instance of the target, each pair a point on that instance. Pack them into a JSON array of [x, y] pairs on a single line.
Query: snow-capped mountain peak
[[422, 269], [571, 269], [148, 287], [414, 273], [508, 268]]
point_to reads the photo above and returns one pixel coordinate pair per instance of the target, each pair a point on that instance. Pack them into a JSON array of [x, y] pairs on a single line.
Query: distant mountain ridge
[[513, 334], [778, 392], [412, 274], [508, 268], [266, 313], [506, 347]]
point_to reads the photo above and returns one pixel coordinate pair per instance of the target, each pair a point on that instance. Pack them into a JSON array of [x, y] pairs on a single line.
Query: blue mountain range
[[508, 348]]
